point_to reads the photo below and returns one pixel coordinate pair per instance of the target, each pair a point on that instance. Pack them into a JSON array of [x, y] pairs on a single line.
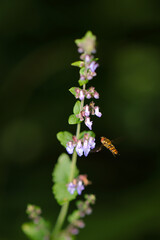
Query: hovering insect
[[108, 144]]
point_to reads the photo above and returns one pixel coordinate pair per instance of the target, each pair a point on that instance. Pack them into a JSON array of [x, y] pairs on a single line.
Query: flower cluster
[[90, 66], [87, 44], [75, 185], [88, 110], [84, 207], [75, 218], [41, 226], [90, 93], [81, 145], [34, 213], [78, 184]]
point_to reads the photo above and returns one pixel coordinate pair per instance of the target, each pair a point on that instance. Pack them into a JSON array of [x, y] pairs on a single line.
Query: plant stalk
[[64, 209]]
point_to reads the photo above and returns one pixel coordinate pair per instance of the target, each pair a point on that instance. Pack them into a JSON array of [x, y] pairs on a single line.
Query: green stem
[[64, 208], [60, 221]]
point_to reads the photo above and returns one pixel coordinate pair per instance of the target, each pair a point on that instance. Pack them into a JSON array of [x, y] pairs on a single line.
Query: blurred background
[[36, 50]]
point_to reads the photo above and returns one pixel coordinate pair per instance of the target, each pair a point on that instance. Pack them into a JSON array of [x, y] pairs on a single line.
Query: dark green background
[[36, 50]]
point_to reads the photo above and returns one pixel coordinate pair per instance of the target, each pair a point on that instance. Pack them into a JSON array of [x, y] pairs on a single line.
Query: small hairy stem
[[64, 208]]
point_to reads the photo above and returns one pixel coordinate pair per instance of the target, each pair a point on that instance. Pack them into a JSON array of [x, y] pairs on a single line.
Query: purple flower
[[79, 224], [80, 187], [92, 142], [88, 95], [97, 112], [89, 76], [91, 90], [80, 50], [93, 66], [82, 77], [79, 148], [87, 112], [81, 95], [77, 90], [88, 58], [74, 231], [86, 148], [70, 147], [88, 123], [96, 95], [71, 187], [88, 211]]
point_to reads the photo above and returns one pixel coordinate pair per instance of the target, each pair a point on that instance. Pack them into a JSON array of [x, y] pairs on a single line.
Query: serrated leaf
[[61, 177], [38, 231], [77, 107], [72, 90], [64, 137], [78, 64], [91, 134], [74, 216], [82, 82], [73, 119]]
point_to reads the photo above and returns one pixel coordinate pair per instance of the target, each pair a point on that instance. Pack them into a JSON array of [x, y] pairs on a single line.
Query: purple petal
[[93, 66], [87, 112], [80, 187], [87, 58], [86, 148], [96, 95], [81, 95], [88, 123], [79, 148], [71, 187], [92, 142], [70, 147], [97, 112], [88, 96]]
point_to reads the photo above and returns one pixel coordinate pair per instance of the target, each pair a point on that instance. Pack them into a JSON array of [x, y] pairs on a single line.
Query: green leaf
[[39, 231], [77, 107], [89, 34], [64, 137], [72, 90], [61, 176], [74, 216], [91, 134], [61, 193], [78, 64], [73, 119], [82, 70], [82, 82], [62, 169], [62, 236]]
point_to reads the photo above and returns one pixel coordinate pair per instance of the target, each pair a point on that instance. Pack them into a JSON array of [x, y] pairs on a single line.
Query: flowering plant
[[68, 183]]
